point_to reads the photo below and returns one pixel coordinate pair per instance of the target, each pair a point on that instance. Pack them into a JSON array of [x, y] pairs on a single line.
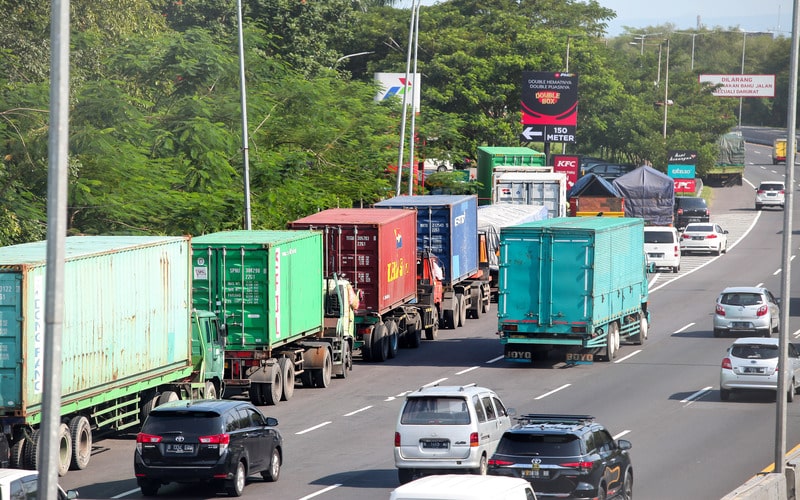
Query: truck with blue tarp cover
[[284, 320], [129, 341], [447, 228], [575, 284]]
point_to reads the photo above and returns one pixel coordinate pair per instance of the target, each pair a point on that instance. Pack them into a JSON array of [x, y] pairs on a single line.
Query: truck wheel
[[380, 344], [64, 449], [256, 393], [347, 360], [640, 337], [32, 451], [462, 310], [18, 454], [272, 391], [392, 337], [322, 376], [413, 333], [210, 392], [486, 301], [432, 333], [167, 396], [81, 433], [477, 305], [287, 372], [611, 351], [149, 401], [306, 379]]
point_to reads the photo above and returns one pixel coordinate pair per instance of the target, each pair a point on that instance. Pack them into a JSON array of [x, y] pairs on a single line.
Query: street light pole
[[414, 83], [744, 40], [348, 56], [245, 135], [414, 13], [666, 91]]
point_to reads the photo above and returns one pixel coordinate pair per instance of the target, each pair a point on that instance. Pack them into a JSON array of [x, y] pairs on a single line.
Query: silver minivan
[[448, 428], [662, 246]]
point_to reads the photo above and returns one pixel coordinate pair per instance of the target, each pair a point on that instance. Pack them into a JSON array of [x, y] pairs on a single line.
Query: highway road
[[663, 396]]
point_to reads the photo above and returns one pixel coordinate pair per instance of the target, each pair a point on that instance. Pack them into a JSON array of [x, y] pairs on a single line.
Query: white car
[[444, 429], [770, 194], [662, 248], [752, 363], [704, 237], [465, 487], [20, 483]]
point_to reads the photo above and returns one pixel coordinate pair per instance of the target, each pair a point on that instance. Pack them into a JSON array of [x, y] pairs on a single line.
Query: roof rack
[[555, 418], [474, 384]]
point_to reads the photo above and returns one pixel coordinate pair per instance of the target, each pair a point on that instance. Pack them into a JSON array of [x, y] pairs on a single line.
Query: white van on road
[[662, 246]]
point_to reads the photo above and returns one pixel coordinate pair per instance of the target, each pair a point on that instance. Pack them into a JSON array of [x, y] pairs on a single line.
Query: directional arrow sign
[[533, 132]]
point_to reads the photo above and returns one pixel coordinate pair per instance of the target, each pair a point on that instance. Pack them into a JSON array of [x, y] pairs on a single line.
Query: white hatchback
[[752, 363], [770, 194], [662, 247], [444, 429]]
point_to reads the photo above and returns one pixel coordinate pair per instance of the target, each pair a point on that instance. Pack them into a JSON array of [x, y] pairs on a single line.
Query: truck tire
[[347, 361], [611, 351], [462, 309], [322, 376], [32, 451], [167, 396], [477, 304], [432, 333], [392, 334], [307, 379], [640, 337], [210, 391], [380, 344], [287, 372], [81, 433], [486, 300], [64, 449], [413, 333], [271, 392], [18, 454], [256, 393]]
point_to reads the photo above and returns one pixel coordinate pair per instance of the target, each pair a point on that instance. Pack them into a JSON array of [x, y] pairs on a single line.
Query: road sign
[[548, 133]]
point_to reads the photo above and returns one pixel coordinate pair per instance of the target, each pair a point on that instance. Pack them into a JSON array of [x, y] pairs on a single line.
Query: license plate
[[740, 324], [698, 237], [753, 369], [436, 444], [179, 449], [535, 473], [656, 255]]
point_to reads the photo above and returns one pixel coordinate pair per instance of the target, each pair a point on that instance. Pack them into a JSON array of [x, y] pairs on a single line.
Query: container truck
[[130, 341], [284, 322], [447, 229], [532, 188], [576, 284], [376, 249], [728, 170], [490, 158]]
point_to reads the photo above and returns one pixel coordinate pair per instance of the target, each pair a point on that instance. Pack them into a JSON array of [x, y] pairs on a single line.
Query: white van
[[465, 487], [662, 245], [444, 429]]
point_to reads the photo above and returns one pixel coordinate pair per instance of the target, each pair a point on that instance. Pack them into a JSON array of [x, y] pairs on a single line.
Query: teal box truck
[[283, 320], [575, 284], [130, 341]]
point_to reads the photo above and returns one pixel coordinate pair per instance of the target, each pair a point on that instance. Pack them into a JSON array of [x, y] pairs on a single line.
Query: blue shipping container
[[447, 226]]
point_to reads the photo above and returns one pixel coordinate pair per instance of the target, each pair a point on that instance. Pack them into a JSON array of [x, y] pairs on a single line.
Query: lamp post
[[641, 40], [245, 135], [666, 90], [693, 35], [348, 56], [414, 14]]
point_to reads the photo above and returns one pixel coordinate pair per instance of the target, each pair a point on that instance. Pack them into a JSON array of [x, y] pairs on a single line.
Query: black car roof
[[210, 405]]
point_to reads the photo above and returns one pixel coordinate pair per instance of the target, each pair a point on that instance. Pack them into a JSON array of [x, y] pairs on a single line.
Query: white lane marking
[[320, 492], [634, 353], [796, 334], [684, 328], [131, 492], [462, 372], [759, 285], [552, 392], [435, 382], [494, 360], [777, 272], [357, 411], [697, 395], [621, 434], [323, 424]]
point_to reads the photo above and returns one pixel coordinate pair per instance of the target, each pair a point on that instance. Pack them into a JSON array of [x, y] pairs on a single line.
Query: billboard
[[549, 106], [741, 85], [395, 85]]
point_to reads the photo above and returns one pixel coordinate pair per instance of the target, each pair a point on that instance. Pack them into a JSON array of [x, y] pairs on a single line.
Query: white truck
[[549, 189]]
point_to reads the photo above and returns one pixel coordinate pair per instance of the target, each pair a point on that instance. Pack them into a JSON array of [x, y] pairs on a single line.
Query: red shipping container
[[376, 249]]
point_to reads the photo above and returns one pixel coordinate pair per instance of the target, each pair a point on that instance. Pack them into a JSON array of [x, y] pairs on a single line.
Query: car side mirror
[[624, 444], [272, 421]]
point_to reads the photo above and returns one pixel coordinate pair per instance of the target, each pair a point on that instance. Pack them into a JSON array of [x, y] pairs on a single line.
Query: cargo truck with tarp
[[495, 159], [376, 250], [728, 169], [447, 229], [284, 320], [129, 341], [575, 284]]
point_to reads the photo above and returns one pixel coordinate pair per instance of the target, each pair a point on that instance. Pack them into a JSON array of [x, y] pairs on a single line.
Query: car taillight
[[499, 463], [676, 250], [760, 191], [726, 363], [720, 310], [680, 211], [143, 438], [685, 236], [711, 236], [396, 439], [762, 310], [583, 466], [222, 440], [473, 440], [781, 191]]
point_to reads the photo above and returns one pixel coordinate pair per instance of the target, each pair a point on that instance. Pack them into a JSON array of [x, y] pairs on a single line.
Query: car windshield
[[519, 443], [740, 299], [691, 202], [435, 410], [755, 351], [770, 187], [699, 228], [658, 237]]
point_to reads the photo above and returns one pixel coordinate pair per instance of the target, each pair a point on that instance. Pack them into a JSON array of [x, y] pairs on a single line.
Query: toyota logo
[[536, 461], [180, 439]]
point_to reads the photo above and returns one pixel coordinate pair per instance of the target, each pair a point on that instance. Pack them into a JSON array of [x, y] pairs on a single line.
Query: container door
[[11, 340]]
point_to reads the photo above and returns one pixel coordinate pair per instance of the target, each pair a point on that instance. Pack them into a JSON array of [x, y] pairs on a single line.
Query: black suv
[[215, 441], [565, 456], [690, 209]]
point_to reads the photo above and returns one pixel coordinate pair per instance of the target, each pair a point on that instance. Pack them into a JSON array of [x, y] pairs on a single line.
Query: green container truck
[[728, 170], [493, 159], [575, 284], [283, 320], [129, 340]]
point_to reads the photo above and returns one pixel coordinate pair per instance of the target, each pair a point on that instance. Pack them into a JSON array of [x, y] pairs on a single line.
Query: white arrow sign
[[529, 133]]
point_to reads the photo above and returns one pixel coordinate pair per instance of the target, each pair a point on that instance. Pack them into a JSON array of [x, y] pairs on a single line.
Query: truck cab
[[208, 351]]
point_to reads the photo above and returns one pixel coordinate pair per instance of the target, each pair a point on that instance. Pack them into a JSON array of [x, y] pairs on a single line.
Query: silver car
[[746, 309], [752, 363], [770, 194]]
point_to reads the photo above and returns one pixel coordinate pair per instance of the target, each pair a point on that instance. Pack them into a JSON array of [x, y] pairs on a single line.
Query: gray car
[[746, 309], [752, 363]]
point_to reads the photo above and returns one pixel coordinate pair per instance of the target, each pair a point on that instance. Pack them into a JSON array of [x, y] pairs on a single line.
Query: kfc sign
[[568, 165], [685, 185]]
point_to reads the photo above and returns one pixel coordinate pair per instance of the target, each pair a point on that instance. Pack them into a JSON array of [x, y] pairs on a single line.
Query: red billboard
[[685, 185], [569, 165], [549, 98]]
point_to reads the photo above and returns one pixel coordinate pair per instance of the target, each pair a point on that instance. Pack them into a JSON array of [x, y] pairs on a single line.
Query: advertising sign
[[569, 165], [549, 106], [685, 185], [741, 85], [395, 85]]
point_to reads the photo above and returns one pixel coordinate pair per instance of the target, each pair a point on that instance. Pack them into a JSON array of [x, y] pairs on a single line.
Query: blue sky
[[748, 15]]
